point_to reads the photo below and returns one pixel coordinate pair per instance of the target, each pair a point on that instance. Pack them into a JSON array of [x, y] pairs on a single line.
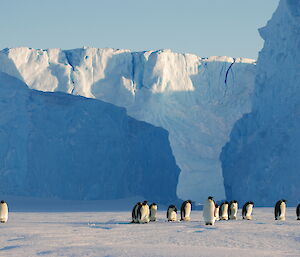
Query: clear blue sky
[[202, 27]]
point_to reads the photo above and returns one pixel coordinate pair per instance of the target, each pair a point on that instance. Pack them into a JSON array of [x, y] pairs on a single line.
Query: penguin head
[[2, 202], [154, 204], [145, 203], [210, 198], [173, 207], [251, 203], [283, 200], [226, 202]]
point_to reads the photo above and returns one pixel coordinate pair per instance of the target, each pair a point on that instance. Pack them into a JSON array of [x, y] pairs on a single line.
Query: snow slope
[[71, 147], [262, 160], [196, 99], [111, 234]]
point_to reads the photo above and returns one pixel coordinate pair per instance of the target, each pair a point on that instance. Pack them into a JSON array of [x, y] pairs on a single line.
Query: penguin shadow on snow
[[7, 248], [111, 224], [44, 252], [16, 239], [205, 228]]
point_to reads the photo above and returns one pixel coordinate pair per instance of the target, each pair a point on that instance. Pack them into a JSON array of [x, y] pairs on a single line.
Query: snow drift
[[196, 99], [262, 160], [71, 147]]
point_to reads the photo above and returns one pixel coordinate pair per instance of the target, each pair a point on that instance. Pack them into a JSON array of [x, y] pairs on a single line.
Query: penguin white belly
[[282, 211], [153, 214], [187, 210], [233, 211], [143, 216], [224, 212], [209, 213], [3, 213], [217, 217], [249, 212], [172, 215]]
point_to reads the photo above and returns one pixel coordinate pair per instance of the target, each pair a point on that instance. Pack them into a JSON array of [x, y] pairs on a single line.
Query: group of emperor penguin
[[143, 213], [185, 211], [227, 210], [212, 211]]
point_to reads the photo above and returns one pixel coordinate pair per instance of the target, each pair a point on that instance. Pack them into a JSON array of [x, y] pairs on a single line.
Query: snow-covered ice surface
[[196, 99], [111, 234]]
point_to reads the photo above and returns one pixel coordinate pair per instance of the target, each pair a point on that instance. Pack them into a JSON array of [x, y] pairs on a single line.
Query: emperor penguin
[[134, 212], [247, 211], [185, 210], [143, 213], [233, 209], [280, 208], [3, 212], [223, 213], [217, 209], [209, 211], [153, 211], [298, 212], [172, 213]]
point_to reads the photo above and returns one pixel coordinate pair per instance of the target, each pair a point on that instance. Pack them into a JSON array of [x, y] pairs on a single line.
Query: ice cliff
[[72, 147], [262, 160], [196, 99]]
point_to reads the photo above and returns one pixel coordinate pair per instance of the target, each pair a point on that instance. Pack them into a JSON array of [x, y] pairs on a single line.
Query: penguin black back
[[298, 211], [134, 211]]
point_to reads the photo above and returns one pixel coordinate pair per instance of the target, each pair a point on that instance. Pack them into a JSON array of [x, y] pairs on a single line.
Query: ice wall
[[262, 160], [72, 147], [196, 99]]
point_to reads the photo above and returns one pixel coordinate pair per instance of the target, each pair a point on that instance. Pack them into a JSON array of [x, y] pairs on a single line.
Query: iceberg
[[197, 100], [57, 145], [262, 160]]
